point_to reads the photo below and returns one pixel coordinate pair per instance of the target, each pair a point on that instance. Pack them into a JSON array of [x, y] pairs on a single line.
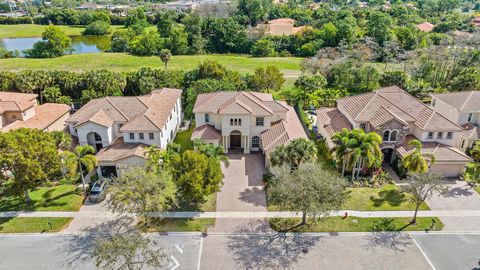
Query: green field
[[177, 225], [125, 62], [57, 198], [384, 198], [35, 30], [355, 224], [33, 224]]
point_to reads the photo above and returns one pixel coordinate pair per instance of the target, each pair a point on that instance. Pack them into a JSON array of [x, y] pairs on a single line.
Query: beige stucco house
[[462, 108], [280, 27], [246, 121], [398, 117], [20, 110], [119, 128]]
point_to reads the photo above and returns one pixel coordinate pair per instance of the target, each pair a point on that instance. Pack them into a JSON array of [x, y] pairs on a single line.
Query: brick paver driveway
[[243, 190], [459, 197]]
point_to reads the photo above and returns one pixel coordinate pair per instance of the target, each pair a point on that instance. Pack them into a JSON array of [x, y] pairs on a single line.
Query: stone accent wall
[[401, 133]]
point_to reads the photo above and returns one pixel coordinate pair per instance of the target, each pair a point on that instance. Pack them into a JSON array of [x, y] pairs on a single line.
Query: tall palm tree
[[278, 155], [81, 156], [212, 151], [417, 162], [342, 150], [296, 152]]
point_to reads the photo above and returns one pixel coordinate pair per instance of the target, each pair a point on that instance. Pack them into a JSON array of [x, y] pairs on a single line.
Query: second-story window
[[386, 135], [430, 135], [450, 135], [440, 135], [470, 117], [132, 136], [141, 136], [150, 135], [207, 118], [259, 121]]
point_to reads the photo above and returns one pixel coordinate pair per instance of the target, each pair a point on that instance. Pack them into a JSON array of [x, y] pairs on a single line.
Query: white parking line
[[424, 255], [200, 253], [176, 264], [179, 249]]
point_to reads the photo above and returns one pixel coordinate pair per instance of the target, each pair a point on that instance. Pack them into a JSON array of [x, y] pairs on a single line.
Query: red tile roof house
[[398, 118], [120, 128], [249, 121], [19, 110], [425, 27]]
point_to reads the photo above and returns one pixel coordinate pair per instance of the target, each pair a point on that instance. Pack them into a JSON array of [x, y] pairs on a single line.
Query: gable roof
[[383, 116], [332, 120], [441, 152], [16, 102], [45, 115], [119, 150], [403, 106], [468, 101], [238, 103], [149, 112], [206, 132]]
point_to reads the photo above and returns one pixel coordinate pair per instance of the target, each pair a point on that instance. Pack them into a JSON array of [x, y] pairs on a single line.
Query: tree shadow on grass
[[270, 250], [392, 197]]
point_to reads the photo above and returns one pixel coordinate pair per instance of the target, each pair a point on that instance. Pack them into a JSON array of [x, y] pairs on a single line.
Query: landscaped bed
[[355, 224], [33, 224], [183, 138], [56, 198], [177, 225]]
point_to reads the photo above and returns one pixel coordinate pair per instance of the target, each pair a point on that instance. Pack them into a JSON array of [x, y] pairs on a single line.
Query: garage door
[[447, 170]]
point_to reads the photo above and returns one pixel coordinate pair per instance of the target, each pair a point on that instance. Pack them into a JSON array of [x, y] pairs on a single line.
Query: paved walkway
[[243, 190], [460, 198]]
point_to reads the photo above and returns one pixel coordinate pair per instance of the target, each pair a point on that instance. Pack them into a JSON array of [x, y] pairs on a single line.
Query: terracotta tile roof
[[119, 150], [332, 120], [469, 130], [45, 115], [149, 112], [237, 103], [468, 101], [283, 131], [442, 152], [282, 21], [206, 132], [398, 102], [281, 27], [16, 102], [383, 116], [425, 27]]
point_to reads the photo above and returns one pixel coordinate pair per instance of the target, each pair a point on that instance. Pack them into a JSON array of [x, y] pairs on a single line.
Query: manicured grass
[[384, 198], [355, 224], [126, 62], [177, 225], [210, 205], [183, 138], [33, 224], [477, 189], [57, 198], [35, 30]]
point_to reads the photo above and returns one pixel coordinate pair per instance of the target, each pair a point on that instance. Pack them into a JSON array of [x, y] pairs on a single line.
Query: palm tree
[[342, 150], [212, 151], [81, 156], [278, 155], [416, 161], [296, 152]]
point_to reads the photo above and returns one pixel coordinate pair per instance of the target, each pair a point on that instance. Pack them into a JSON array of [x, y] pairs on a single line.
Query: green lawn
[[57, 198], [177, 225], [183, 138], [477, 189], [126, 62], [355, 224], [32, 224], [35, 30], [210, 205], [384, 198]]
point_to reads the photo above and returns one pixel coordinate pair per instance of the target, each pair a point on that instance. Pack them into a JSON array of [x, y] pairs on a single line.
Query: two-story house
[[462, 108], [20, 110], [119, 128], [248, 121], [398, 117]]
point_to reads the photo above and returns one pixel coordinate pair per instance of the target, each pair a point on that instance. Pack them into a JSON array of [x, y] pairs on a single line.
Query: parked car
[[98, 191]]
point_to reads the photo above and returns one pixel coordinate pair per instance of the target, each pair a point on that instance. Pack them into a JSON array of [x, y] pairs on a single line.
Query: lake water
[[80, 44]]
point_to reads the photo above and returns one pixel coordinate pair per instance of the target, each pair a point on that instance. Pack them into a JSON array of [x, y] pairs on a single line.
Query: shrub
[[97, 28], [263, 48]]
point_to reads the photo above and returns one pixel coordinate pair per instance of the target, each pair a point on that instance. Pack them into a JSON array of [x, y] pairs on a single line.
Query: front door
[[235, 141]]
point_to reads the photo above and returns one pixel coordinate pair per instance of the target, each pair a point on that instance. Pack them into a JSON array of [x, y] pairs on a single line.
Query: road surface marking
[[176, 264], [179, 249], [200, 253], [424, 254]]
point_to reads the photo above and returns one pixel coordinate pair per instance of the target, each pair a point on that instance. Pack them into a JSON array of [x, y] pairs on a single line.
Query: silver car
[[98, 191]]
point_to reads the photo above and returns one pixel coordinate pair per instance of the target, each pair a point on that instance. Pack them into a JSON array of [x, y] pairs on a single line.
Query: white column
[[245, 145], [225, 143]]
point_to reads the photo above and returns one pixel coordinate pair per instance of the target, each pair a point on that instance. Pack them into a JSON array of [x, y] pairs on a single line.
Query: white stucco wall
[[85, 129], [28, 113]]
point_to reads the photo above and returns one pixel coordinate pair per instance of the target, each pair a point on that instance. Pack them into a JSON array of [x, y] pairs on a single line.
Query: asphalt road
[[74, 252]]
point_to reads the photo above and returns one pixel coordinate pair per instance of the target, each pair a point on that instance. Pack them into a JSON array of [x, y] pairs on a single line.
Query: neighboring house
[[280, 27], [119, 128], [19, 110], [425, 27], [398, 118], [249, 121], [463, 108], [476, 21]]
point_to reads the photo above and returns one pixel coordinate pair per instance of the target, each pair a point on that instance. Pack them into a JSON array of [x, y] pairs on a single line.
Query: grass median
[[176, 224], [356, 224], [33, 224]]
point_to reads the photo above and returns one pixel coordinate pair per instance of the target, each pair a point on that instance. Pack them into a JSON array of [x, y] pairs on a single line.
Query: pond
[[80, 44]]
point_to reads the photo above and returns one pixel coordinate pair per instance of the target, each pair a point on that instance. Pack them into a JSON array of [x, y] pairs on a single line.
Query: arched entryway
[[94, 139], [388, 155], [235, 139]]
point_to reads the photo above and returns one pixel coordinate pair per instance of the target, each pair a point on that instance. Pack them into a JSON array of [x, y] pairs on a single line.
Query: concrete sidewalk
[[248, 214]]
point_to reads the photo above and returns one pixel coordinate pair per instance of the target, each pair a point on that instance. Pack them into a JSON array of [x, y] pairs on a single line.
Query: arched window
[[255, 141], [393, 136], [231, 122], [235, 121], [386, 135], [239, 122]]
